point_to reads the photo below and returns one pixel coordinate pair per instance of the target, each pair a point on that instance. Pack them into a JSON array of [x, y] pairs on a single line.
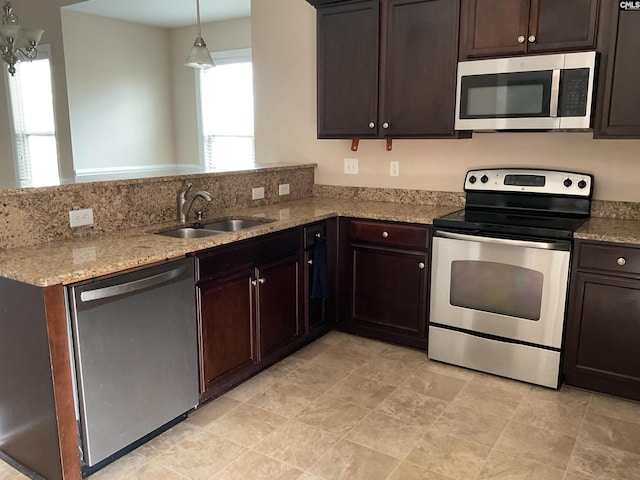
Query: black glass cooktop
[[511, 223]]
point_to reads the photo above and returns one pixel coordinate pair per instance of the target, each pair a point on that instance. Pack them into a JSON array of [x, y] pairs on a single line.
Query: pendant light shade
[[199, 57]]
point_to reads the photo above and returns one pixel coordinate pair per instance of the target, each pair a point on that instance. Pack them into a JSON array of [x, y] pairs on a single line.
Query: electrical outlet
[[283, 189], [394, 169], [79, 218], [257, 193], [351, 166]]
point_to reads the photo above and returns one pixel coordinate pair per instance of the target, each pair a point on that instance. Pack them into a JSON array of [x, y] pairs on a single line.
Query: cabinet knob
[[254, 282], [372, 125], [621, 261], [261, 281], [521, 39], [385, 125], [310, 261], [421, 265], [385, 234], [532, 38]]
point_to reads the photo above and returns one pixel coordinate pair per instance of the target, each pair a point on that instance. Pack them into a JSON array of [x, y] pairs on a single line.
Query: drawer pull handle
[[385, 234], [621, 261], [421, 265]]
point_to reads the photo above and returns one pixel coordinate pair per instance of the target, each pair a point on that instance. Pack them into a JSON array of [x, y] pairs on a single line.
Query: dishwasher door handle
[[130, 287]]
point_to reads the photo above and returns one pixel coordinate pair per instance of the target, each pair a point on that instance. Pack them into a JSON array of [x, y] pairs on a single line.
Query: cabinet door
[[278, 300], [389, 294], [348, 70], [493, 27], [227, 328], [559, 26], [618, 107], [418, 64], [603, 334]]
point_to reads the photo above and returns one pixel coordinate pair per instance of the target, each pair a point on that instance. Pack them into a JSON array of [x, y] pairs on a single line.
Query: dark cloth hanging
[[319, 287]]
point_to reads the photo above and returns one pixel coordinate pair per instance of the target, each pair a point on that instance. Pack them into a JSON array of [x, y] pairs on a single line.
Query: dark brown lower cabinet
[[250, 308], [227, 327], [603, 327], [278, 304], [387, 273]]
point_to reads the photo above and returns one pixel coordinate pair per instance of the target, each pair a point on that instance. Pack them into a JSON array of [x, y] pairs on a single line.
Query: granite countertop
[[610, 230], [70, 261]]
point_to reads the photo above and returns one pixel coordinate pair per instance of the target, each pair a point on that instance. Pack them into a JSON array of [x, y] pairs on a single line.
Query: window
[[226, 111], [32, 121]]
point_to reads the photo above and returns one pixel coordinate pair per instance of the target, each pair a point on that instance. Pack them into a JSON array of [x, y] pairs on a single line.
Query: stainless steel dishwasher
[[135, 356]]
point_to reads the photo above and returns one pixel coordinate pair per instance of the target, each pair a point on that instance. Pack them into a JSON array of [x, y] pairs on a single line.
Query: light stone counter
[[69, 261], [610, 230]]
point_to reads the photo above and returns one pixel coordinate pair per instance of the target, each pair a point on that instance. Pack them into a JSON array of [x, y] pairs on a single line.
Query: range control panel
[[550, 182]]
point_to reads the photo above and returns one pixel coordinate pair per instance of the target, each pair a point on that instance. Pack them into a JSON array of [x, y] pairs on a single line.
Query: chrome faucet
[[184, 204]]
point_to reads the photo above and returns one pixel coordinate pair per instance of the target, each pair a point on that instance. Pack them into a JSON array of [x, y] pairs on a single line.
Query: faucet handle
[[187, 187]]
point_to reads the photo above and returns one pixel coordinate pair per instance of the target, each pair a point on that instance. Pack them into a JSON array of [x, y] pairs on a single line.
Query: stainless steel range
[[500, 272]]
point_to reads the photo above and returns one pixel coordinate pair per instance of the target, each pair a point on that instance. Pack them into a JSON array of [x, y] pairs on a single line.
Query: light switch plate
[[79, 218], [257, 193], [351, 166]]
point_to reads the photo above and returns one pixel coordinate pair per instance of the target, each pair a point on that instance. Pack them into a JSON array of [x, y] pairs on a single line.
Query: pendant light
[[199, 57]]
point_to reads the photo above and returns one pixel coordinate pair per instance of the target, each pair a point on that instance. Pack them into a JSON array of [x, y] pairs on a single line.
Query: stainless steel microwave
[[539, 92]]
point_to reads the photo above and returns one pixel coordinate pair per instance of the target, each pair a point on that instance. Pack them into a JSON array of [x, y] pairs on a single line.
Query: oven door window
[[496, 288], [506, 95]]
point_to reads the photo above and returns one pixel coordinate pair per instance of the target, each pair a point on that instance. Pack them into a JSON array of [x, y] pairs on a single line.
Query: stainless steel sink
[[213, 228], [233, 224], [188, 232]]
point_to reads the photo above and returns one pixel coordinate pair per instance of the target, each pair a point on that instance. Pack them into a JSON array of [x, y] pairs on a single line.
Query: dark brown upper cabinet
[[618, 102], [387, 68], [493, 28]]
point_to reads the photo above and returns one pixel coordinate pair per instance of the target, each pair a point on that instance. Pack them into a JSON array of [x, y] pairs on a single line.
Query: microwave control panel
[[574, 90]]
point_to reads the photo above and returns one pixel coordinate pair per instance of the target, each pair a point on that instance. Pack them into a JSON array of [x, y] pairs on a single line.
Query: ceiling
[[165, 13]]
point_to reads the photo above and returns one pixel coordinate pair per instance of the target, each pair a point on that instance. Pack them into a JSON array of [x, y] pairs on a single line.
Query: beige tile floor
[[350, 408]]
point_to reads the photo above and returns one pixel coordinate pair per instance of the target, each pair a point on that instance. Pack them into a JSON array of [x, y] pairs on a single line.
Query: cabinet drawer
[[220, 261], [392, 234], [611, 258]]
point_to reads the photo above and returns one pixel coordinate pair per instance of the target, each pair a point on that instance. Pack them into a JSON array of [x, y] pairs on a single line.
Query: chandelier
[[17, 43], [199, 57]]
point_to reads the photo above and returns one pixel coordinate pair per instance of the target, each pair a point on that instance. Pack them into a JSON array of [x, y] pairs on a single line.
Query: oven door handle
[[553, 245]]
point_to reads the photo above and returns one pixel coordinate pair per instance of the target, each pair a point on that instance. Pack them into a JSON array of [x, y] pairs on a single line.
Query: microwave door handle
[[555, 94]]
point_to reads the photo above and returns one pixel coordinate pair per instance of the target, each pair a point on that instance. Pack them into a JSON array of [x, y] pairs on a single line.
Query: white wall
[[119, 87], [284, 52], [114, 54]]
